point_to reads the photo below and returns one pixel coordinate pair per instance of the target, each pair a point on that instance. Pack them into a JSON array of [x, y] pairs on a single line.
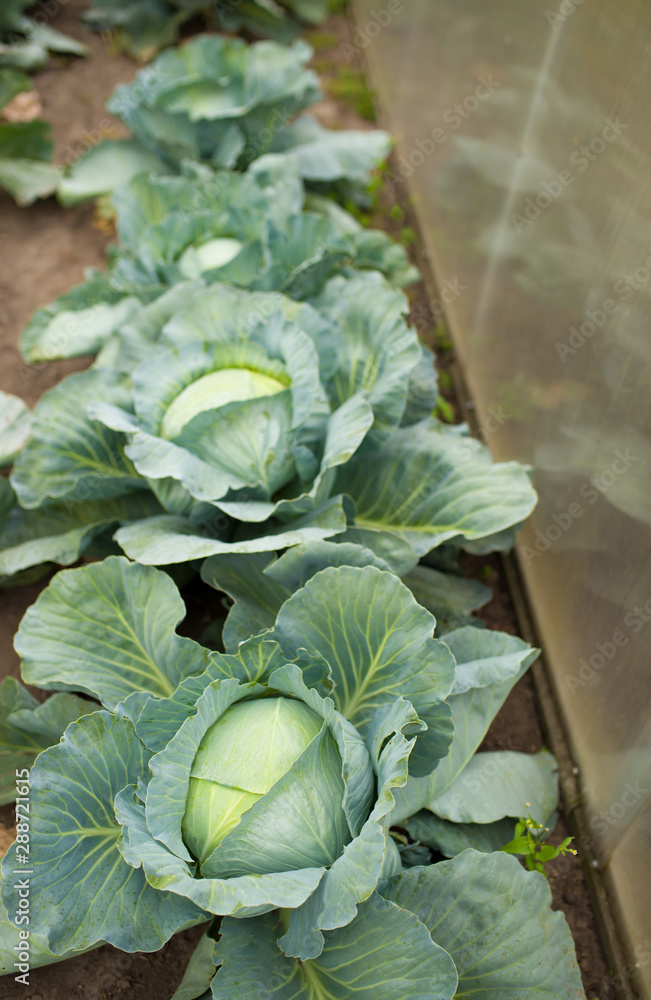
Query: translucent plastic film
[[523, 135]]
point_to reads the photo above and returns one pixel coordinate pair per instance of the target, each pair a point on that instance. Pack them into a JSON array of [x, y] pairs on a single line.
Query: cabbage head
[[256, 752]]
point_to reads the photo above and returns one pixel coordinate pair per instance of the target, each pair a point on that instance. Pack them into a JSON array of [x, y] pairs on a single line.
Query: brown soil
[[43, 251]]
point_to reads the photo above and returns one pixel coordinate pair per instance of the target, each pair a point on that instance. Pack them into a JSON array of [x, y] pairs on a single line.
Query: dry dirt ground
[[43, 252]]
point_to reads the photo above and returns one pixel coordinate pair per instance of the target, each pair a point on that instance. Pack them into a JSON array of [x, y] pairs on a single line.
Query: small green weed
[[443, 410], [529, 841], [350, 86]]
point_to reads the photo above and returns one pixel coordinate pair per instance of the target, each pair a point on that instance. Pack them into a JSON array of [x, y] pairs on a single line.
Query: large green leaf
[[260, 586], [379, 644], [39, 952], [108, 629], [327, 155], [199, 973], [26, 141], [395, 552], [143, 26], [104, 167], [449, 598], [82, 891], [71, 457], [495, 920], [385, 953], [15, 420], [54, 40], [27, 727], [428, 483], [59, 533], [27, 55], [488, 665], [78, 322], [451, 839], [7, 499], [25, 179], [12, 82], [375, 348], [262, 18], [160, 541], [374, 250], [303, 252], [311, 11], [496, 785]]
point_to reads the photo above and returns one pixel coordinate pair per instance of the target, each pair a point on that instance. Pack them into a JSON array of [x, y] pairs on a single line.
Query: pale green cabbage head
[[241, 757]]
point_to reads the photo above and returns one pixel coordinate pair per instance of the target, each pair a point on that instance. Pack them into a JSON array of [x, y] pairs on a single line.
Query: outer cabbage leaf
[[104, 167], [450, 839], [73, 847], [501, 784], [39, 952], [143, 26], [260, 586], [488, 665], [12, 82], [70, 457], [15, 420], [376, 350], [428, 483], [27, 727], [378, 643], [451, 599], [25, 152], [496, 922], [168, 539], [60, 533], [327, 156], [355, 959], [199, 973], [78, 322], [108, 629]]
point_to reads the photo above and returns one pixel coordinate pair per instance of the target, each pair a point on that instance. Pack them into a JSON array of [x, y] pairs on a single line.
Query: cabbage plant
[[259, 785], [144, 26], [251, 230], [223, 103], [221, 420], [26, 168], [26, 43], [208, 820]]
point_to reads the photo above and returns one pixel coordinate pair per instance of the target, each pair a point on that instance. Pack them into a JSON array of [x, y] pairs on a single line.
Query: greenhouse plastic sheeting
[[524, 139]]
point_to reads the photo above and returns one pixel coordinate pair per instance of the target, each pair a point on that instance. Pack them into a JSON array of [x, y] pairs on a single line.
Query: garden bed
[[43, 252]]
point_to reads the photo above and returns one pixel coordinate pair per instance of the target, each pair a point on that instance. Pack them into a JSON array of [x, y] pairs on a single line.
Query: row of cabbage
[[27, 43], [259, 412]]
